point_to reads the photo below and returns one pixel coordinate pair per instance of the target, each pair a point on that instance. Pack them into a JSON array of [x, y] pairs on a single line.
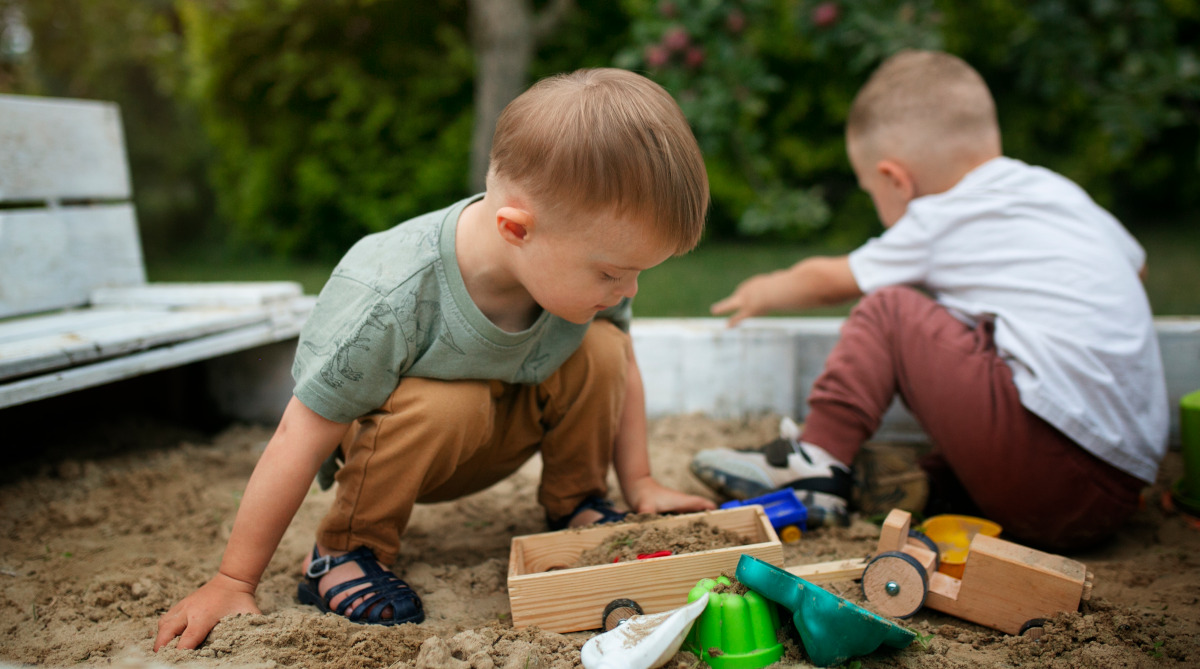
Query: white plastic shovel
[[643, 641]]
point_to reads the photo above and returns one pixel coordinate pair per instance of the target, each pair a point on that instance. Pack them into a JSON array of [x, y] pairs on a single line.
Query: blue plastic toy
[[787, 514]]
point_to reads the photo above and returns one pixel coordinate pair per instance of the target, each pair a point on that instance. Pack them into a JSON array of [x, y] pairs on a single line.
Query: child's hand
[[193, 618], [753, 297], [649, 496], [816, 281]]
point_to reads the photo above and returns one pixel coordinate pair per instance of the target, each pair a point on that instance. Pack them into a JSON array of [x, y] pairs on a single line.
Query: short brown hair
[[605, 140], [925, 103]]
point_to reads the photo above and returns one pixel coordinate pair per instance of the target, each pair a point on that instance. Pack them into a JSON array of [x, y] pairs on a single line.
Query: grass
[[688, 285], [209, 265], [1173, 269]]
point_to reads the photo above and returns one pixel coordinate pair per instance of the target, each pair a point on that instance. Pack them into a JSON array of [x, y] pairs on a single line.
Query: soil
[[94, 547], [696, 536]]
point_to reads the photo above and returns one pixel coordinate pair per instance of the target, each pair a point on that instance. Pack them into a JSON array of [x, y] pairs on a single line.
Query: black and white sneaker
[[819, 480]]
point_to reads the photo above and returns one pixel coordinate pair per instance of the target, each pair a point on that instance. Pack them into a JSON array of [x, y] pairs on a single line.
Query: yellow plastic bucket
[[953, 535]]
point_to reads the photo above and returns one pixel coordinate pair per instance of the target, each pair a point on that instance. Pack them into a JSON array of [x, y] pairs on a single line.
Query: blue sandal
[[384, 590], [592, 503]]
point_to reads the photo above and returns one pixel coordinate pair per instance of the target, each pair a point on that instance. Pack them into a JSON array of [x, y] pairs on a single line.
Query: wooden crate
[[573, 599]]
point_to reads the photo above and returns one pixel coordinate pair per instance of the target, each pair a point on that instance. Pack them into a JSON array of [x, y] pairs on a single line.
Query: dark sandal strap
[[591, 503], [383, 590]]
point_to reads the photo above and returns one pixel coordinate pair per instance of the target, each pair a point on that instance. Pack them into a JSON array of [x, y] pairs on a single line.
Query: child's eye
[[610, 278]]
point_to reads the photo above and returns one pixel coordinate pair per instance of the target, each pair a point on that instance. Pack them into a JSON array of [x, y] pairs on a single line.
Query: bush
[[1105, 92], [707, 54], [331, 119], [127, 51]]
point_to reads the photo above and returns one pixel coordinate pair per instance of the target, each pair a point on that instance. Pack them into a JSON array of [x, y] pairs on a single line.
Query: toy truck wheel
[[922, 539], [789, 534], [618, 611], [895, 584], [1034, 628]]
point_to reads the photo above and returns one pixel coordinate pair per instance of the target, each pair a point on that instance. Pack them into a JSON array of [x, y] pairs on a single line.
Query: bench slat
[[58, 149], [55, 258], [135, 364], [211, 294], [59, 322], [72, 338]]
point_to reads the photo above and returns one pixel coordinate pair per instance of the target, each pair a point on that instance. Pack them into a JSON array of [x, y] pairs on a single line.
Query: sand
[[93, 549]]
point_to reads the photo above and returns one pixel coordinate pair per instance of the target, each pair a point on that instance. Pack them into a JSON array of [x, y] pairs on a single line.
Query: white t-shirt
[[1060, 276]]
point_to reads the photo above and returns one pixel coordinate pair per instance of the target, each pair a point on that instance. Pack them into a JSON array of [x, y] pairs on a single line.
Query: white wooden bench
[[75, 308]]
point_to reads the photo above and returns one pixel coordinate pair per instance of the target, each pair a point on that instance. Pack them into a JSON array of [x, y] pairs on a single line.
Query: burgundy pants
[[1017, 469]]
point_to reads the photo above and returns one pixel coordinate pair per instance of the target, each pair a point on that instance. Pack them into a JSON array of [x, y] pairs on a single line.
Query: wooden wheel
[[918, 538], [618, 611], [895, 584], [1034, 628]]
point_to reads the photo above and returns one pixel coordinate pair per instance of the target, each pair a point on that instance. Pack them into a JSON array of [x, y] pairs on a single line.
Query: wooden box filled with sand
[[547, 590]]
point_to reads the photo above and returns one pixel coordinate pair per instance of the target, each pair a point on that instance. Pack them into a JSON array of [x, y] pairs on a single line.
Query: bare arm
[[631, 458], [813, 282], [278, 485]]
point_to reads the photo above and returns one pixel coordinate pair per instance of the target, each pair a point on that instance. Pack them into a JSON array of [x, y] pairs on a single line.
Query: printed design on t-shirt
[[420, 320], [447, 339], [429, 238], [339, 367]]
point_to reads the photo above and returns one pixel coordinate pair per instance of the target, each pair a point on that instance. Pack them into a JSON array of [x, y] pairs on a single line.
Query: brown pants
[[433, 441], [1017, 469]]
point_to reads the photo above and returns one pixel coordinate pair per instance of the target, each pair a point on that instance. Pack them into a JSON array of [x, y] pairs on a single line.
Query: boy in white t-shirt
[[1028, 353]]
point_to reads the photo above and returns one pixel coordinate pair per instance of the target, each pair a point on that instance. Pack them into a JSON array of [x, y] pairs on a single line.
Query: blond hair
[[605, 140], [926, 107]]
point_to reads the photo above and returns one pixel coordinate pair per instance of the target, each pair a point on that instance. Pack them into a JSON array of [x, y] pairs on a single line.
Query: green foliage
[[127, 51], [1106, 92], [706, 53], [331, 119], [313, 122]]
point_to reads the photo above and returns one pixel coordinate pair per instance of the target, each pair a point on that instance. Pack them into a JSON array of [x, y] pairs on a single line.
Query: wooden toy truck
[[1004, 586]]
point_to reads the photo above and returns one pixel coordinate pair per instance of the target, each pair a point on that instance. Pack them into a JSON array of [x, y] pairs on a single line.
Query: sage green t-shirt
[[396, 306]]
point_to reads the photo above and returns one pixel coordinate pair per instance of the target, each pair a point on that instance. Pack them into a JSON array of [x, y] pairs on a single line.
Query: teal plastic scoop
[[831, 627]]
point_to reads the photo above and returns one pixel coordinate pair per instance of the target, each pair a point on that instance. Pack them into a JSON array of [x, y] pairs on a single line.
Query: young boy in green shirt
[[445, 352]]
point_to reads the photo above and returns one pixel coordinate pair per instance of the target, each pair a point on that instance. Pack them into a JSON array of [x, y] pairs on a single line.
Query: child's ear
[[514, 224], [898, 177]]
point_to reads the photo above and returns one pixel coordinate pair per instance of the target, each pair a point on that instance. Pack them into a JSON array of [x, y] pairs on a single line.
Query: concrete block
[[253, 385], [769, 364], [695, 365]]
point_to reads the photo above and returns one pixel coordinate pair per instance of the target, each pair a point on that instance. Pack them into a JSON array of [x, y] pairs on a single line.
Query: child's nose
[[630, 288]]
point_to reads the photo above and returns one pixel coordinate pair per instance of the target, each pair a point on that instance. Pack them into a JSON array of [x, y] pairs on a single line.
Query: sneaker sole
[[726, 485]]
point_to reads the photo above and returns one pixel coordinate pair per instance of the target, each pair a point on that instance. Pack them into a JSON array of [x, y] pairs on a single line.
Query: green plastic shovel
[[832, 628]]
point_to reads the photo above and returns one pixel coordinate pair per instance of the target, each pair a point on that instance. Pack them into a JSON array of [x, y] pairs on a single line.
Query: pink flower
[[826, 14], [735, 22], [694, 57], [657, 55], [676, 39]]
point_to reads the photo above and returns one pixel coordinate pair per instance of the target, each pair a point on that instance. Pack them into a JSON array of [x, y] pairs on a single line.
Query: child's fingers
[[169, 627], [194, 635], [738, 316], [724, 306], [698, 504]]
